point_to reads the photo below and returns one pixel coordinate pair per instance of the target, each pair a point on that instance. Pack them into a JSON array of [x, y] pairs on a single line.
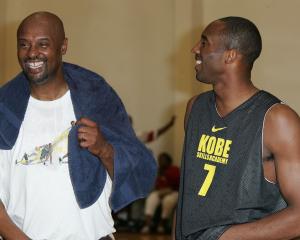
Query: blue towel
[[134, 165]]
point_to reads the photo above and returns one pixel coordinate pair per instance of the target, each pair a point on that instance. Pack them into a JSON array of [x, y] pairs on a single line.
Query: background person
[[164, 194]]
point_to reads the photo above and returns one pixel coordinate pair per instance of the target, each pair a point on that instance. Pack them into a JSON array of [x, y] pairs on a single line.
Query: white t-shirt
[[35, 184]]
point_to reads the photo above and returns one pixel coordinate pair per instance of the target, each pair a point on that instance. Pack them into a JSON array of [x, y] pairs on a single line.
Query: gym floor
[[139, 236]]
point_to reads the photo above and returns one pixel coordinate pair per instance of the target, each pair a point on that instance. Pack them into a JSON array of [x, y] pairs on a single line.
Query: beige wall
[[278, 22], [185, 35], [143, 48], [129, 42], [2, 39]]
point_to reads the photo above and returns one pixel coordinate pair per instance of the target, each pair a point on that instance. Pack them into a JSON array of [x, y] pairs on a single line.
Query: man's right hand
[[8, 230]]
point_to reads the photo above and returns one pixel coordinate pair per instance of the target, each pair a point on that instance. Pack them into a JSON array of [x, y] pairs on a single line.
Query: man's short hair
[[242, 34], [167, 157]]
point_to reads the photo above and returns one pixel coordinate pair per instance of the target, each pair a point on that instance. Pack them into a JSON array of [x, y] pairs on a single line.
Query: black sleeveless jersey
[[222, 177]]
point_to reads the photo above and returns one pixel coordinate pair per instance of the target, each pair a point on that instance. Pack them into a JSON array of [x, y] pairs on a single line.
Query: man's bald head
[[41, 45], [48, 19]]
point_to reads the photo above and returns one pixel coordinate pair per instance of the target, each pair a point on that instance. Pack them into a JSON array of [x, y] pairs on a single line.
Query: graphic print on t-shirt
[[44, 154], [213, 150]]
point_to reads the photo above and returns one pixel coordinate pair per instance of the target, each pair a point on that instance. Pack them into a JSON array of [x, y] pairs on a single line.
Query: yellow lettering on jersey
[[227, 148], [208, 180], [211, 145], [202, 143], [214, 149], [219, 147]]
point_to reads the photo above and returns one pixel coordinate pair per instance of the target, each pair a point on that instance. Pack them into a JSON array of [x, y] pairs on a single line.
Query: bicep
[[282, 139]]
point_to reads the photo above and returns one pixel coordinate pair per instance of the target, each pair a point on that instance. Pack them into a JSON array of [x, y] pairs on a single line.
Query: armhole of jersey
[[186, 118], [262, 141]]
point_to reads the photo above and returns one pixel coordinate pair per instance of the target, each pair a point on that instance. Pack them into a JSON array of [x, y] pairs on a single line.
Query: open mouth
[[198, 62], [198, 65], [34, 65]]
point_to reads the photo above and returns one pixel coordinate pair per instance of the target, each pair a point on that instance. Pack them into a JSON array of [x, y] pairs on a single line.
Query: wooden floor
[[138, 236]]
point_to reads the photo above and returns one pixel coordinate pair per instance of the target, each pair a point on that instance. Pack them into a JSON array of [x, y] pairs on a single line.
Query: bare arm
[[150, 136], [91, 137], [282, 139], [8, 229], [166, 127]]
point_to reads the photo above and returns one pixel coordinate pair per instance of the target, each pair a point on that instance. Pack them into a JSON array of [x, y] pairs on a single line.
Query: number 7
[[208, 180]]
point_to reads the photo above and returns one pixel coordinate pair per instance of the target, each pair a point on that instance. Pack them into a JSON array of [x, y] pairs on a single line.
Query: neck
[[229, 96], [49, 91]]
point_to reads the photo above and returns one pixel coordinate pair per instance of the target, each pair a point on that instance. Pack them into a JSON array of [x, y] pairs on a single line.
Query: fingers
[[85, 142], [89, 135], [86, 122], [89, 130]]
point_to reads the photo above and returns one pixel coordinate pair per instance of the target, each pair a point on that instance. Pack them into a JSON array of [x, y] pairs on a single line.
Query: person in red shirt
[[164, 194]]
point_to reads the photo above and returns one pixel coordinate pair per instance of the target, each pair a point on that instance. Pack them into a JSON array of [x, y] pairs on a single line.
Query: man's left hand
[[90, 136]]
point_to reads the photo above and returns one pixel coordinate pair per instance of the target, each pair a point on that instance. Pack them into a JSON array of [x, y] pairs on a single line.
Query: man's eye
[[203, 43], [44, 45], [23, 45]]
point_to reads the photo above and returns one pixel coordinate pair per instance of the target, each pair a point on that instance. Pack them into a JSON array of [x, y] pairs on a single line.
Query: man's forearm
[[8, 230], [283, 225], [107, 157]]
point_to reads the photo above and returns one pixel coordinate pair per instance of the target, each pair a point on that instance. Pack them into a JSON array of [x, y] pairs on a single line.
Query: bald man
[[65, 140], [241, 162]]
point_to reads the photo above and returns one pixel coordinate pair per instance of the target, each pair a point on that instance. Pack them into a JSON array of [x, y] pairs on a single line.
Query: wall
[[185, 35], [143, 48], [129, 42], [276, 69], [2, 39]]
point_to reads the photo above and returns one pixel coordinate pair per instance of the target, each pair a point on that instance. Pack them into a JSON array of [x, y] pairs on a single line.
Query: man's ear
[[64, 46], [230, 56]]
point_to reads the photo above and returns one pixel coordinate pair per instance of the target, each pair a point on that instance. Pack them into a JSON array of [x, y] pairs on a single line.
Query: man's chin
[[37, 80], [202, 80]]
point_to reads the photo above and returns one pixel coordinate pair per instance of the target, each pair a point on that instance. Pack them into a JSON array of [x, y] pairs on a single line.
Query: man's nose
[[196, 48], [32, 52]]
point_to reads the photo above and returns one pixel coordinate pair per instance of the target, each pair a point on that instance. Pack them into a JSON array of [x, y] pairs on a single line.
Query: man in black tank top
[[240, 171]]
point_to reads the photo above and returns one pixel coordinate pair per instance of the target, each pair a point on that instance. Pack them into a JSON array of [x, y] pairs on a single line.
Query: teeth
[[35, 65], [198, 62]]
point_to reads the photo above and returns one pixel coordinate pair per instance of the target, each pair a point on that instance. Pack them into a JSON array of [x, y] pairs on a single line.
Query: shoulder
[[192, 101], [190, 104], [188, 110], [19, 82], [202, 97], [82, 77], [87, 81], [73, 68], [281, 126], [281, 115]]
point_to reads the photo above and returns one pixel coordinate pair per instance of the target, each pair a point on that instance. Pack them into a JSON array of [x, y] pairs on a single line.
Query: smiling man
[[65, 140], [241, 160]]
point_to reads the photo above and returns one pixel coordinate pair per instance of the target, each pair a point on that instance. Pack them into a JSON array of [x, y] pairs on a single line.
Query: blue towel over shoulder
[[93, 98]]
